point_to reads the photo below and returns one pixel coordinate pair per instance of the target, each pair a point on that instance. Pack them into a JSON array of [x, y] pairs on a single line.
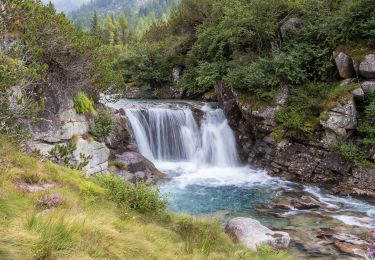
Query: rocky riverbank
[[307, 158]]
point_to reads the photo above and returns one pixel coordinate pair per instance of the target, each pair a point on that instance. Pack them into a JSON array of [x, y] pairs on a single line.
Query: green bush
[[350, 152], [103, 124], [139, 196], [291, 120], [368, 132], [83, 104]]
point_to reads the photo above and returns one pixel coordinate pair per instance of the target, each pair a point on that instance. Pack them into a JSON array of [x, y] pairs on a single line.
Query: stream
[[193, 144]]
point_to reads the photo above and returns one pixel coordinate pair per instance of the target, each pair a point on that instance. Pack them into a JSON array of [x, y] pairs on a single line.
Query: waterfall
[[172, 134]]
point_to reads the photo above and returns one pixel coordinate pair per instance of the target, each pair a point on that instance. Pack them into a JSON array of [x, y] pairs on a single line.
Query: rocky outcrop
[[304, 158], [341, 120], [251, 233], [136, 167], [98, 153], [344, 64], [367, 67]]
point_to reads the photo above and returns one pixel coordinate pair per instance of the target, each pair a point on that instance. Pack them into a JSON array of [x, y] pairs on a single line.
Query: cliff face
[[305, 158]]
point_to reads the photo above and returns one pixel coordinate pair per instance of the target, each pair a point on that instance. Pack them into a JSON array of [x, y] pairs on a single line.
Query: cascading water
[[165, 134], [201, 160]]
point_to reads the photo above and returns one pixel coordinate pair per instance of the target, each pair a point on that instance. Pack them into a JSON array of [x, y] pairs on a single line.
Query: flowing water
[[198, 152]]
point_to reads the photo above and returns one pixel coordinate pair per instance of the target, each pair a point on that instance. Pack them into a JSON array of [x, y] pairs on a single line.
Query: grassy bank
[[97, 218]]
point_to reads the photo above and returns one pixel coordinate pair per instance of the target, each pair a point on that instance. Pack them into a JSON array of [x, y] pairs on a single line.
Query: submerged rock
[[251, 233]]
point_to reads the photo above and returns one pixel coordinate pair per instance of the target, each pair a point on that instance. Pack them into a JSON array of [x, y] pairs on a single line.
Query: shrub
[[83, 104], [292, 120], [139, 197], [63, 155], [350, 152], [103, 124]]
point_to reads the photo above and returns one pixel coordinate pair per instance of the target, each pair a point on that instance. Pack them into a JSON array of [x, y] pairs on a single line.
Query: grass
[[91, 225]]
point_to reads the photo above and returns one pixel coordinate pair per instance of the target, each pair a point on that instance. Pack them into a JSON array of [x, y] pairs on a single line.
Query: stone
[[344, 64], [367, 67], [137, 164], [306, 202], [347, 82], [251, 233], [358, 94], [341, 118], [120, 135], [291, 25], [368, 87], [176, 74], [34, 187], [50, 201], [98, 152]]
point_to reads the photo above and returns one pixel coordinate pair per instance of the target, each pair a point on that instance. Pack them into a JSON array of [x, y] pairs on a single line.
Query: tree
[[95, 25], [123, 28]]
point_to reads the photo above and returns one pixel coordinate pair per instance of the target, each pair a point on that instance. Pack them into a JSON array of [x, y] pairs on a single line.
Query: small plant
[[63, 155], [83, 104], [291, 120], [138, 197], [50, 201], [103, 124]]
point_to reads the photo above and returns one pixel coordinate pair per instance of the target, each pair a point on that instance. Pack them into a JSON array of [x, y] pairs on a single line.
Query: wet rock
[[210, 96], [367, 67], [344, 64], [140, 166], [306, 202], [50, 201], [251, 233], [120, 135]]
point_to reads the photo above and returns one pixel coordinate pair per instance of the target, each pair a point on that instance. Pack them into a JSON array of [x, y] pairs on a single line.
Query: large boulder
[[251, 233], [367, 67], [98, 153], [139, 166], [344, 64], [341, 118]]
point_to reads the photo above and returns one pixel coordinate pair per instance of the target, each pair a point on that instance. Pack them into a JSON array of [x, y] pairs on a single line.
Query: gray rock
[[368, 86], [98, 152], [176, 74], [367, 67], [137, 164], [341, 118], [359, 94], [347, 82], [344, 64], [251, 233], [291, 25]]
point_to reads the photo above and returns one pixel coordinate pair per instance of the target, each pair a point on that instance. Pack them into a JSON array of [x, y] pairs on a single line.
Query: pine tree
[[123, 28], [95, 26]]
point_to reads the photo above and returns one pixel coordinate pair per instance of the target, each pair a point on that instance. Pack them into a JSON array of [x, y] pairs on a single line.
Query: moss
[[355, 49]]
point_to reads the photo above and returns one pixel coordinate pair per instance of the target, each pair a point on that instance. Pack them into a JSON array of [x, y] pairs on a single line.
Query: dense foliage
[[103, 124], [243, 42], [38, 43]]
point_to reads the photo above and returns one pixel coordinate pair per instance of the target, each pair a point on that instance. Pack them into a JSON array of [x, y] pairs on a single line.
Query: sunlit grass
[[92, 226]]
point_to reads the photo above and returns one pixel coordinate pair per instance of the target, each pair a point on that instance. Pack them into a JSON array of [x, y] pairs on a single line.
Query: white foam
[[365, 222]]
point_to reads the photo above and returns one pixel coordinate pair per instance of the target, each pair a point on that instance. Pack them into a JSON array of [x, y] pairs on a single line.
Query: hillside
[[134, 10], [52, 212]]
